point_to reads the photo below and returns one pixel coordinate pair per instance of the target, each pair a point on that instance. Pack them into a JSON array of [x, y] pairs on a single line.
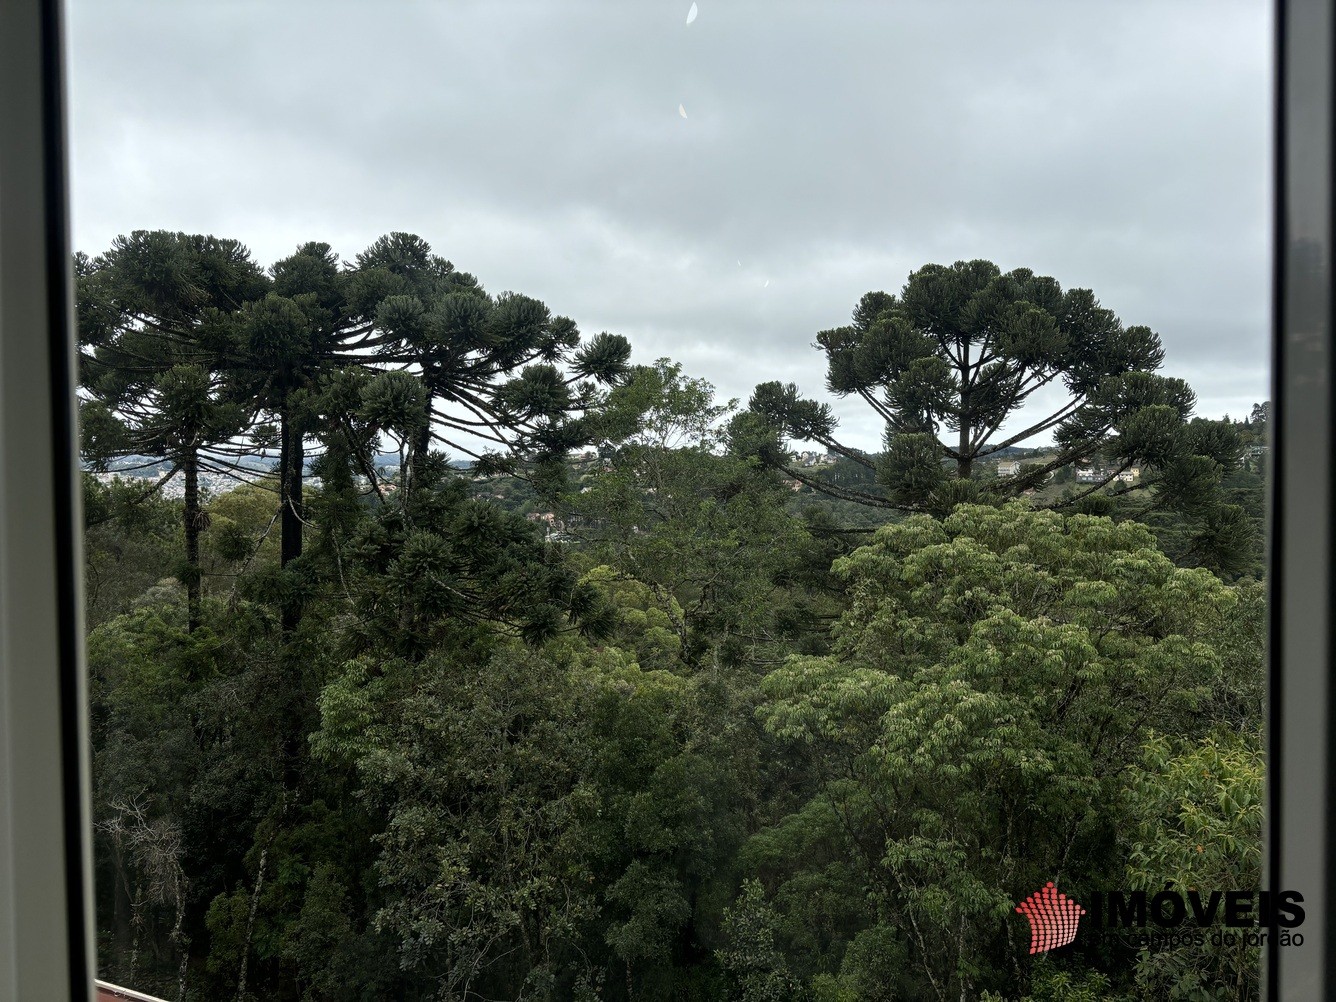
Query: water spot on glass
[[691, 14], [767, 284], [681, 111]]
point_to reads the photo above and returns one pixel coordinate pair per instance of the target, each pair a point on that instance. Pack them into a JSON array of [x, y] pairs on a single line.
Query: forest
[[597, 690]]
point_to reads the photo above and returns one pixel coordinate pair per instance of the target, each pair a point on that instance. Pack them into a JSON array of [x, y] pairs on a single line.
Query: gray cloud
[[828, 147]]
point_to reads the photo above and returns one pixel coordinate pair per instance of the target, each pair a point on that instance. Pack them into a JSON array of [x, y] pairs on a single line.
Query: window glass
[[692, 500]]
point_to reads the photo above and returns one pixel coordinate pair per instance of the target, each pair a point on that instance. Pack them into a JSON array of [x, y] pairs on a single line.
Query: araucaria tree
[[953, 365], [315, 353], [150, 369], [504, 379]]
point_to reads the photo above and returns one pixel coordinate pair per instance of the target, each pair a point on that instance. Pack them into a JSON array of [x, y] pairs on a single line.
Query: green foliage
[[1199, 826], [556, 817], [1049, 983], [647, 723], [983, 704], [753, 958], [403, 798], [241, 534], [703, 528], [131, 542], [645, 625], [535, 805], [429, 559]]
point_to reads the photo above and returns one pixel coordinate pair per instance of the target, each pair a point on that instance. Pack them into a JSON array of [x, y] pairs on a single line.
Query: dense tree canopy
[[675, 505], [623, 710], [998, 671]]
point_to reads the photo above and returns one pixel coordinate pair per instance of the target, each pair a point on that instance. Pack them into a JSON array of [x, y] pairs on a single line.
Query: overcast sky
[[827, 149]]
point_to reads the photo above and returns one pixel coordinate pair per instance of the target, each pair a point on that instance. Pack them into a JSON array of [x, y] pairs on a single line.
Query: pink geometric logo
[[1053, 917]]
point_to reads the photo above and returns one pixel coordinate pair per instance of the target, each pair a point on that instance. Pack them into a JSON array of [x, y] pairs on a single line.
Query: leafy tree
[[984, 702], [131, 542], [145, 671], [1198, 811], [242, 535], [647, 624], [1259, 421], [753, 956], [483, 763], [676, 507], [1052, 983], [1207, 513], [1240, 703]]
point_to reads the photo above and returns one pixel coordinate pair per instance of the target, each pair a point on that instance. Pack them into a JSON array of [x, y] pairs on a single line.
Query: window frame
[[1300, 832], [46, 928], [46, 933]]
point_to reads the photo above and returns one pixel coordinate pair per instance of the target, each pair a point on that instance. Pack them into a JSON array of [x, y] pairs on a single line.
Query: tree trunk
[[193, 525], [182, 943], [420, 447], [122, 907], [422, 442], [291, 460], [250, 926], [965, 462]]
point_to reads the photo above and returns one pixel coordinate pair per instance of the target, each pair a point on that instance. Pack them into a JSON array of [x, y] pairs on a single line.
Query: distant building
[[1008, 467], [1087, 475]]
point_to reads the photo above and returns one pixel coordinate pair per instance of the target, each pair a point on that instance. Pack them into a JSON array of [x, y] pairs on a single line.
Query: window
[[694, 867]]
